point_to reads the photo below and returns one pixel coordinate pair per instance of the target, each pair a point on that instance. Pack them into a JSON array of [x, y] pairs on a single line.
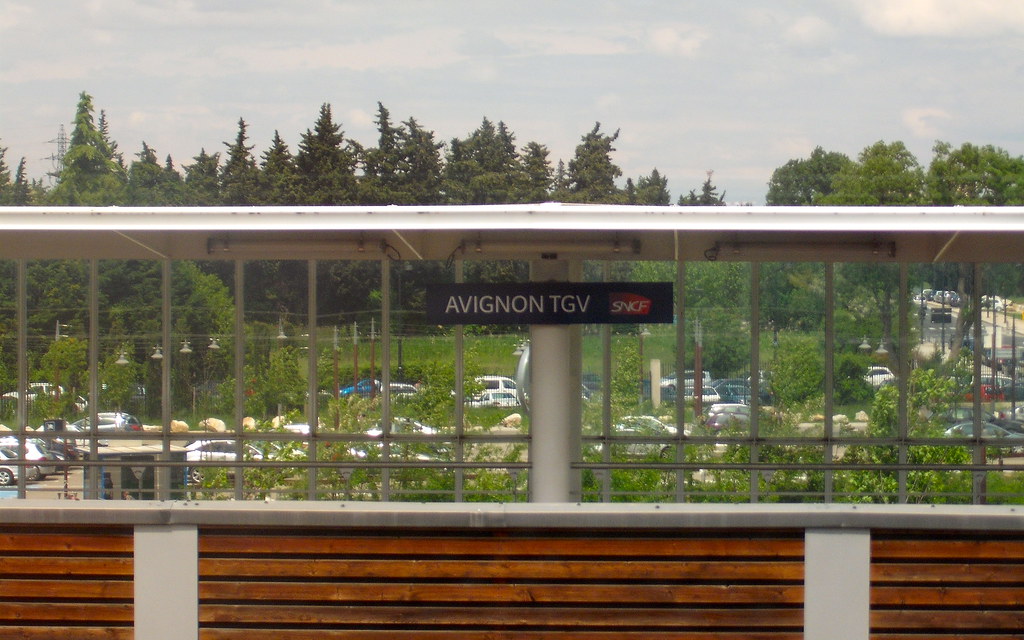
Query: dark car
[[727, 416], [737, 390]]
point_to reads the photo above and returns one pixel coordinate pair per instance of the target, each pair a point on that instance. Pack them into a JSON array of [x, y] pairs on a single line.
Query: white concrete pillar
[[167, 582], [550, 414], [837, 584], [551, 405]]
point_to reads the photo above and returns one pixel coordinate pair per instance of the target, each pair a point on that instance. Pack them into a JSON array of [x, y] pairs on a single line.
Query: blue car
[[364, 388]]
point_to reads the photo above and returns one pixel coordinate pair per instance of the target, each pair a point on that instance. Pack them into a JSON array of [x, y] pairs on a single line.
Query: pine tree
[[653, 189], [202, 183], [21, 190], [537, 176], [708, 195], [326, 168], [420, 165], [591, 174], [239, 176], [172, 186], [5, 178], [144, 178], [277, 174], [379, 183], [104, 127], [90, 175], [483, 168]]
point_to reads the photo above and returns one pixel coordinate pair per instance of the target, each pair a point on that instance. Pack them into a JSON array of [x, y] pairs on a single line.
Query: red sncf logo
[[629, 304]]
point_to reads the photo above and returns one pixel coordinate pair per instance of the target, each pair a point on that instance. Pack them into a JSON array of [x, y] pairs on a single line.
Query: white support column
[[837, 584], [550, 414], [551, 410], [167, 582]]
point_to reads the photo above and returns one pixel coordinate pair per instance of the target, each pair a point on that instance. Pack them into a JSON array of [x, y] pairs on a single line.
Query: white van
[[497, 383]]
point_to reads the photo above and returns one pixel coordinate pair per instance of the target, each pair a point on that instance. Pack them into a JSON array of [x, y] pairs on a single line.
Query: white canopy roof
[[551, 230]]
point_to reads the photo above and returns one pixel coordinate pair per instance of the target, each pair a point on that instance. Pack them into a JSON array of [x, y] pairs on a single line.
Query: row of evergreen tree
[[408, 166]]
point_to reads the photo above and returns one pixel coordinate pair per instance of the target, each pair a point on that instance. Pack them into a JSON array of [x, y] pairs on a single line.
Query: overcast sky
[[734, 86]]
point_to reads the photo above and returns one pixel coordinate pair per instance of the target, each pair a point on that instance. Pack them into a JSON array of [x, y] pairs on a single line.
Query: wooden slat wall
[[291, 585], [946, 587], [66, 582]]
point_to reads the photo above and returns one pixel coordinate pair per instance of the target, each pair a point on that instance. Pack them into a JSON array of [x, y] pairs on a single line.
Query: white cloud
[[12, 15], [568, 42], [921, 121], [809, 31], [425, 49], [680, 40], [361, 118], [942, 17]]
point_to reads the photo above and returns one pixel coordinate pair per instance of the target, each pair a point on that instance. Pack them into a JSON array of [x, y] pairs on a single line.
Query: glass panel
[[58, 378]]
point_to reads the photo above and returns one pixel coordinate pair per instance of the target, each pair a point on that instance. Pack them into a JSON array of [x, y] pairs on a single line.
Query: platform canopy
[[538, 231]]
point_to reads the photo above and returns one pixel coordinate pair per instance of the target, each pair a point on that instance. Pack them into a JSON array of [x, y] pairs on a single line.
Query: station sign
[[551, 303]]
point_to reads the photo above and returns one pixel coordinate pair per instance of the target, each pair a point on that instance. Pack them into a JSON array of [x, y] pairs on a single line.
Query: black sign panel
[[550, 303]]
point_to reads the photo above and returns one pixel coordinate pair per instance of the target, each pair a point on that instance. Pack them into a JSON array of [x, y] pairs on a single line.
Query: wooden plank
[[501, 546], [401, 569], [947, 620], [66, 612], [947, 572], [67, 589], [260, 633], [946, 596], [494, 593], [501, 617], [952, 549], [66, 633], [65, 565], [66, 543]]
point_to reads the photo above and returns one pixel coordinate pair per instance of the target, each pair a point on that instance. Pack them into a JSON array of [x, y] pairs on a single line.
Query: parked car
[[988, 430], [216, 451], [45, 463], [959, 415], [737, 390], [403, 390], [988, 393], [8, 469], [878, 376], [643, 428], [364, 388], [494, 399], [722, 421], [726, 414], [108, 421], [497, 383], [414, 441], [670, 382]]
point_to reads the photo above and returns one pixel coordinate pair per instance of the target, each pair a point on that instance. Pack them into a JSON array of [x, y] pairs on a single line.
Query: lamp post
[[698, 369], [355, 356], [643, 333]]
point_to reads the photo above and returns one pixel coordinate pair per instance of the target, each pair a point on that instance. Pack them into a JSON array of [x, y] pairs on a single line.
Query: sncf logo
[[629, 304]]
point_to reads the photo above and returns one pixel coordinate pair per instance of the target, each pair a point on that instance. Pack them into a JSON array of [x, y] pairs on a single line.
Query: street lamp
[[186, 347], [881, 351], [158, 353]]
